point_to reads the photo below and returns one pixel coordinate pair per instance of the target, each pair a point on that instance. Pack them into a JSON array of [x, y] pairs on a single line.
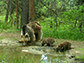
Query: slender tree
[[16, 13], [7, 11], [31, 7]]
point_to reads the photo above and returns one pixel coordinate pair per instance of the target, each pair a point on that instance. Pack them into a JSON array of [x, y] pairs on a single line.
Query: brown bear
[[30, 33], [27, 35], [63, 46], [37, 29], [47, 41]]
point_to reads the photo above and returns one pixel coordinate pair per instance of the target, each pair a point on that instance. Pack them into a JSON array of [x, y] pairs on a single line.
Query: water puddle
[[15, 55]]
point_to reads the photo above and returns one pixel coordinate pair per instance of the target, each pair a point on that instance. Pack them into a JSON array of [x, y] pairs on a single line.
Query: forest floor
[[12, 38]]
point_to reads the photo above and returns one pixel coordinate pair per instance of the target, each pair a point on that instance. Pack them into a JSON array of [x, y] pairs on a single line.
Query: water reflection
[[2, 61], [46, 59]]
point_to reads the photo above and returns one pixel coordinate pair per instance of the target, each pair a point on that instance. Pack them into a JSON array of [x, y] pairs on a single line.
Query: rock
[[77, 52], [5, 42]]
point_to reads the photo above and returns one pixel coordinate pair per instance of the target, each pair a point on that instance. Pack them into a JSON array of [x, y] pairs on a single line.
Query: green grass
[[63, 32], [80, 57], [7, 25], [18, 60], [10, 55], [11, 30]]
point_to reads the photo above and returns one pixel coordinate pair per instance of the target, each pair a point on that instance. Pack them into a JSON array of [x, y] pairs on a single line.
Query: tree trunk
[[31, 7], [75, 24], [56, 22], [25, 12], [80, 27], [11, 12], [51, 21], [16, 13], [7, 11]]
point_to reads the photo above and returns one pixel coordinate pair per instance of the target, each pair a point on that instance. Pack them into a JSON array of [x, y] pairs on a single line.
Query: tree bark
[[25, 12], [12, 7], [7, 11], [31, 7], [51, 21], [56, 22], [16, 13]]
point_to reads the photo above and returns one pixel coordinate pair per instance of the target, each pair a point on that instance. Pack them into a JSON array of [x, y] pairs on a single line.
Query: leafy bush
[[73, 15], [63, 32]]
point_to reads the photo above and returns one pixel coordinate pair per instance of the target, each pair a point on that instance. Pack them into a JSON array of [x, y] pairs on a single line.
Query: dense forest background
[[62, 19]]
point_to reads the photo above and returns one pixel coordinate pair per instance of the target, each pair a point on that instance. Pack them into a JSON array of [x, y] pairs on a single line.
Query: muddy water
[[14, 55]]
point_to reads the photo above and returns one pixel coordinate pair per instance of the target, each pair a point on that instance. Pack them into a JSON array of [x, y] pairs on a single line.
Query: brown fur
[[48, 41], [63, 46], [37, 29]]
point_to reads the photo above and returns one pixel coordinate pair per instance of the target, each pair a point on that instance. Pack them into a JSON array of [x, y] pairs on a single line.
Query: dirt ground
[[15, 36]]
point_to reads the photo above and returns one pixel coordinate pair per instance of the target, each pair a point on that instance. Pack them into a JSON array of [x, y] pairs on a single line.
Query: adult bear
[[31, 32]]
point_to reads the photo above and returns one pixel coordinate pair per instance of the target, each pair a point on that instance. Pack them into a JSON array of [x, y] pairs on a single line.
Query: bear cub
[[63, 46], [47, 41]]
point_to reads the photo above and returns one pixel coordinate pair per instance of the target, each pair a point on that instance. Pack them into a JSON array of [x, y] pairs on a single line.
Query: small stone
[[77, 52], [24, 50]]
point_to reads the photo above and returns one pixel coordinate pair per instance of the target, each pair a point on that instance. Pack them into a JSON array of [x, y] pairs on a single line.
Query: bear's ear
[[26, 35]]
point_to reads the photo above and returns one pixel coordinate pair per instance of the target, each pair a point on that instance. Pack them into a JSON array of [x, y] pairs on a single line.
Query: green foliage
[[4, 25], [44, 9], [63, 32], [74, 14], [7, 25], [1, 3]]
